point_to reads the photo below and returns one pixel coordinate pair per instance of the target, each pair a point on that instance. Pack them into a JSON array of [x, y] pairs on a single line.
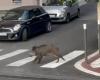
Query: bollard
[[99, 36], [85, 41]]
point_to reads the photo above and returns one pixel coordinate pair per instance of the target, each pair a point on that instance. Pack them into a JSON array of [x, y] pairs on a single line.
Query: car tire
[[49, 27], [24, 35], [68, 18], [78, 13]]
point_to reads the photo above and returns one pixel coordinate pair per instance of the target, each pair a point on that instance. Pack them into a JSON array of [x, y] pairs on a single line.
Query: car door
[[73, 7], [45, 18], [33, 21], [40, 16]]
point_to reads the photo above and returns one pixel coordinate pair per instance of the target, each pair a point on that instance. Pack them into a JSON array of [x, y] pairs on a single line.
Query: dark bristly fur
[[44, 50]]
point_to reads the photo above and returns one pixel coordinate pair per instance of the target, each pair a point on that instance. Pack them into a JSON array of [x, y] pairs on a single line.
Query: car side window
[[42, 10], [37, 12], [31, 14]]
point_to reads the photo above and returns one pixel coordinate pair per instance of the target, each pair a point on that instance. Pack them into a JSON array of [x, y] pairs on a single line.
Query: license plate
[[3, 34], [52, 15]]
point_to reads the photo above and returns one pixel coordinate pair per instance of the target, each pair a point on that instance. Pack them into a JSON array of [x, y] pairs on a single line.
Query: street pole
[[98, 19], [85, 41], [99, 36]]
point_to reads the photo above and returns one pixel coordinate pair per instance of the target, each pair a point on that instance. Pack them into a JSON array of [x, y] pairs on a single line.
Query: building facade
[[8, 4]]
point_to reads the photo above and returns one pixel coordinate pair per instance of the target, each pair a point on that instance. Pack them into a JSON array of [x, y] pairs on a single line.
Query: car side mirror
[[33, 17]]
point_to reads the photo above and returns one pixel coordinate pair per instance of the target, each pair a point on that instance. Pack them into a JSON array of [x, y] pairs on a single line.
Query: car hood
[[50, 9], [9, 23]]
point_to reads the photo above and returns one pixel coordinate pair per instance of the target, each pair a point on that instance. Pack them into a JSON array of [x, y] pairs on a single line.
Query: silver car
[[62, 12]]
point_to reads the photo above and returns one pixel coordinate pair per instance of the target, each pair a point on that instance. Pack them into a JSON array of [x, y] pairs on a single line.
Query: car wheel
[[49, 27], [68, 18], [78, 13], [24, 35]]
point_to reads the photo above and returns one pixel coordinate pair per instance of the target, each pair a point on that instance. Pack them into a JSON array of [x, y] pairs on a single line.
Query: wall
[[8, 4]]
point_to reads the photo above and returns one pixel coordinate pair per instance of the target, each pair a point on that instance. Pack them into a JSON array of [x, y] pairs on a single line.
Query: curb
[[79, 65]]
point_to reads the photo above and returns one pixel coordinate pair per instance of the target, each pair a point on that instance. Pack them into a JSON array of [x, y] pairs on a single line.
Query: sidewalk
[[93, 65]]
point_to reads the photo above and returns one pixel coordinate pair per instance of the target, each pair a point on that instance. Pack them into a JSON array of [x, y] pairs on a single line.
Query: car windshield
[[16, 15], [56, 3]]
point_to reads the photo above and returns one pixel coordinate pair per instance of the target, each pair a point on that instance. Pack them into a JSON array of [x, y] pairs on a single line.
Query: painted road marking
[[22, 61], [11, 54], [67, 57], [96, 63]]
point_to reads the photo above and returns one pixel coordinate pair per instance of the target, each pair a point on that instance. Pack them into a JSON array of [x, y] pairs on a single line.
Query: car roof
[[26, 7]]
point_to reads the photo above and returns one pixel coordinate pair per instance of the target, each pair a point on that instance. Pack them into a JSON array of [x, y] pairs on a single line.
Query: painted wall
[[8, 4]]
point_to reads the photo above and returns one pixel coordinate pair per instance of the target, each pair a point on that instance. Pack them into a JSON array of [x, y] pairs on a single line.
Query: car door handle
[[41, 18], [28, 22]]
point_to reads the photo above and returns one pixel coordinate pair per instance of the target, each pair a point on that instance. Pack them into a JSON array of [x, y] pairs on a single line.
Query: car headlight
[[62, 13], [17, 27]]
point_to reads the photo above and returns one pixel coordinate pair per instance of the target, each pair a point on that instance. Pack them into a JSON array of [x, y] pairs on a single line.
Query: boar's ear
[[34, 47]]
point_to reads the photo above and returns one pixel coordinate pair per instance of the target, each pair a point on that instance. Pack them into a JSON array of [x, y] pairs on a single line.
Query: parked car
[[23, 22], [62, 11]]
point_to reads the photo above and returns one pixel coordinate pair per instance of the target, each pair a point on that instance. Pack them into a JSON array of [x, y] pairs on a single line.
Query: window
[[31, 14], [37, 12], [12, 15], [16, 1]]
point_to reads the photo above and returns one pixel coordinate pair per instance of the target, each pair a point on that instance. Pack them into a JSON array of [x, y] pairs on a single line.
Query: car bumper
[[59, 19], [9, 36]]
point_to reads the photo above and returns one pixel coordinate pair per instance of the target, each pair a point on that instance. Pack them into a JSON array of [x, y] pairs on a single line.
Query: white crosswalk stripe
[[11, 54], [67, 57], [22, 61]]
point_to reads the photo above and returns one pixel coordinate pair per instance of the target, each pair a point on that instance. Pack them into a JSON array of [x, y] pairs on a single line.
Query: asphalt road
[[68, 37]]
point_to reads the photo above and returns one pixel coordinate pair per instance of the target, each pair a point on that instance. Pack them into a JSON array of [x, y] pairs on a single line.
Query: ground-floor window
[[16, 1]]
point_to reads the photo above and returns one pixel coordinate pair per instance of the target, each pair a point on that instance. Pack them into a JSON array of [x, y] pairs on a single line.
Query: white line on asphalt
[[67, 58], [11, 54], [78, 65], [22, 61], [96, 63]]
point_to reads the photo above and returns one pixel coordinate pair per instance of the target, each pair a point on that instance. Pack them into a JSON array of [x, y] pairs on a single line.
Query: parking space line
[[11, 54], [67, 57], [22, 61]]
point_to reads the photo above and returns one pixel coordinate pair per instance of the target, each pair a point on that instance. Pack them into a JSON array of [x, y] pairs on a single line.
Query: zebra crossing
[[22, 62], [8, 55]]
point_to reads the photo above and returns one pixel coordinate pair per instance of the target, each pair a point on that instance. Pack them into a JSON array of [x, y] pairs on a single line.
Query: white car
[[62, 12]]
